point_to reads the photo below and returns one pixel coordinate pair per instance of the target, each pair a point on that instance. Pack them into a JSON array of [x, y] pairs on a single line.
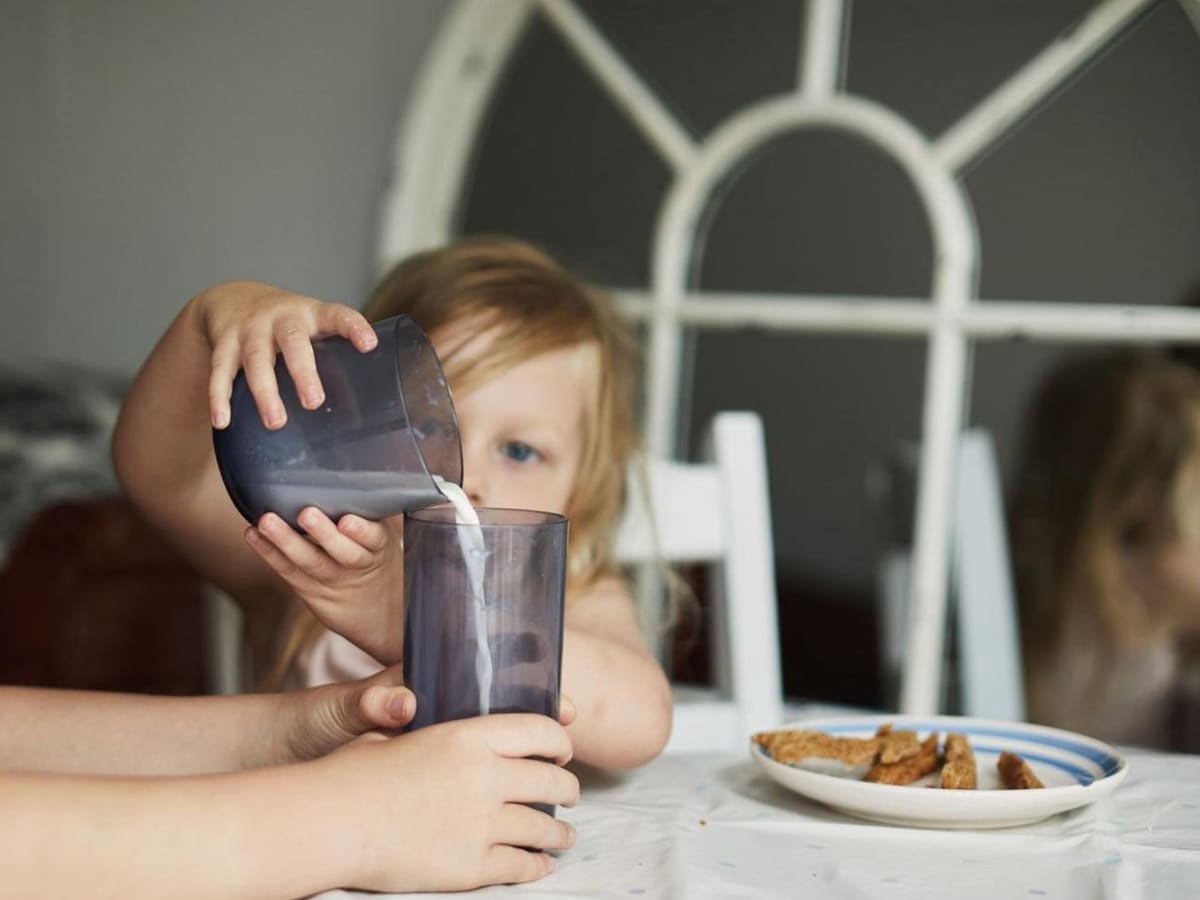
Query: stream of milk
[[470, 539]]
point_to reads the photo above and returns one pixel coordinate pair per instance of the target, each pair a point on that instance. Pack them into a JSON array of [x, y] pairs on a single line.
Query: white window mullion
[[1033, 82], [823, 50], [638, 102], [436, 140], [1192, 8], [942, 415], [981, 320], [785, 313], [1077, 322]]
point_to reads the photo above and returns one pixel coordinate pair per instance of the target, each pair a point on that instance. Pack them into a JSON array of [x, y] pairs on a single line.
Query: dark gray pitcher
[[387, 426]]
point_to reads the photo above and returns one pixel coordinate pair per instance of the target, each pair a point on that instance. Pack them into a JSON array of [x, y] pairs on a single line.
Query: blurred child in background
[[1106, 545]]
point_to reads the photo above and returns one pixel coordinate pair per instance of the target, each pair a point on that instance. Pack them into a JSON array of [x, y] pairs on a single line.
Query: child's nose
[[474, 494], [474, 481]]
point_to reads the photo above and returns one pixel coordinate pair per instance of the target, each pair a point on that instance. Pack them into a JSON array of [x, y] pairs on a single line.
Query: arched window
[[841, 221]]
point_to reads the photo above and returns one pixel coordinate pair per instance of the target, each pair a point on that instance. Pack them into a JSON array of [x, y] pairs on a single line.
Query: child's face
[[523, 430], [1165, 566], [1179, 562]]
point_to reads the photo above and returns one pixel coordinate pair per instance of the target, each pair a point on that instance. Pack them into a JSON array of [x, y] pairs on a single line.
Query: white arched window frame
[[438, 136]]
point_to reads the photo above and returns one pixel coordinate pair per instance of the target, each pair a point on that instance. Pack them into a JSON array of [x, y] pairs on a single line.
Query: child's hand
[[246, 324], [442, 808], [316, 721], [350, 575]]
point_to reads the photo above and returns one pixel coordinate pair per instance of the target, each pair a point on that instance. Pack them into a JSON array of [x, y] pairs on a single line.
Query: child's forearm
[[122, 734], [269, 833], [163, 455], [161, 440], [623, 701]]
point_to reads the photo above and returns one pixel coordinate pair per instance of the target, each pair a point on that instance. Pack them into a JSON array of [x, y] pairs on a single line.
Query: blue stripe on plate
[[1106, 761], [1083, 776]]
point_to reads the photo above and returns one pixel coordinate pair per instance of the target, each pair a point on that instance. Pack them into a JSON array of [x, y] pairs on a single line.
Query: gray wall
[[150, 149]]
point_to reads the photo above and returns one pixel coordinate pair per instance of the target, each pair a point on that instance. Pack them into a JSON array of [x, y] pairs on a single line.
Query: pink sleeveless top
[[333, 658]]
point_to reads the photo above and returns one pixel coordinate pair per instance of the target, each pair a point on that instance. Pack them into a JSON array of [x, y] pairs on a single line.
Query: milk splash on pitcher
[[474, 552]]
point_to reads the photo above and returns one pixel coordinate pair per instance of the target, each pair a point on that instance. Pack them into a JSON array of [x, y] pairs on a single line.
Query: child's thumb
[[384, 706]]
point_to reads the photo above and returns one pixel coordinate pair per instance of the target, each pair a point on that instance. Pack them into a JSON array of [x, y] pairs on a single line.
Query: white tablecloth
[[705, 826]]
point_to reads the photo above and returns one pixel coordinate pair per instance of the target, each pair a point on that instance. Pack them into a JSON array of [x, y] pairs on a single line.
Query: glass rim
[[444, 515]]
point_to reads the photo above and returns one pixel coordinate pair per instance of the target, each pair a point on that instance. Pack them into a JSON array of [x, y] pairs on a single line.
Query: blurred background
[[153, 149]]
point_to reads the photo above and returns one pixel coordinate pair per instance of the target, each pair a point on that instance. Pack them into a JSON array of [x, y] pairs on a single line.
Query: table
[[712, 826]]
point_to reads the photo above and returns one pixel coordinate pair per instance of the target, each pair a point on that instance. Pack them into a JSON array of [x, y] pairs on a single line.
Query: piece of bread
[[791, 746], [1015, 772], [958, 767], [906, 771]]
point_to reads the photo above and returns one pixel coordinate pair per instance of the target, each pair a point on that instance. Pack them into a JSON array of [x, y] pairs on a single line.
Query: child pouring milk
[[541, 371]]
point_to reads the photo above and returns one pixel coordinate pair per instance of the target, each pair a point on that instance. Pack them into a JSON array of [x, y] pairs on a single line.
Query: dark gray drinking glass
[[523, 578], [387, 426]]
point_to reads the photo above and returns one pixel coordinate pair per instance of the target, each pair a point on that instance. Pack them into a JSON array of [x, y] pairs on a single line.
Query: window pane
[[813, 393], [557, 164], [1095, 198], [819, 212], [932, 60], [705, 58]]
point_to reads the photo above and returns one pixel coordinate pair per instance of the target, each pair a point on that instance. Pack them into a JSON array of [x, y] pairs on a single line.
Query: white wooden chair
[[718, 511], [989, 669], [225, 643], [989, 647]]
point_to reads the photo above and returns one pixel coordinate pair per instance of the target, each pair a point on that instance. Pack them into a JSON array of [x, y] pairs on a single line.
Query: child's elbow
[[648, 740], [662, 715]]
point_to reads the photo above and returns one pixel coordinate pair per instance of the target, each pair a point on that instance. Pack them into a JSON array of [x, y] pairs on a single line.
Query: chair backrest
[[718, 511], [984, 603], [989, 649]]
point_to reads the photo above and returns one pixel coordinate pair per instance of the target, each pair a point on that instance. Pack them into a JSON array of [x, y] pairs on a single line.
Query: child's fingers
[[536, 781], [382, 706], [567, 711], [223, 369], [383, 701], [372, 535], [393, 675], [520, 735], [344, 550], [295, 344], [258, 362], [271, 555], [302, 558], [522, 826], [385, 707], [511, 865], [336, 318]]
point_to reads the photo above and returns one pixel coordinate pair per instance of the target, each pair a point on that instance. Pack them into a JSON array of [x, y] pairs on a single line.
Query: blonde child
[[541, 371], [216, 797], [1106, 543]]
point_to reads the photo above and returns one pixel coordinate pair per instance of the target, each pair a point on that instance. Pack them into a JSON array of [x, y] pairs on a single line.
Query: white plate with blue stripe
[[1076, 770]]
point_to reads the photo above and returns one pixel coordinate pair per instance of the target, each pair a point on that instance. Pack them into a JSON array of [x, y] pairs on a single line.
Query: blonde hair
[[1109, 447], [528, 304]]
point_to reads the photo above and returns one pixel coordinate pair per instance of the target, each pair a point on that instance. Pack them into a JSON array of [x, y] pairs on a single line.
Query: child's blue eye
[[519, 451]]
